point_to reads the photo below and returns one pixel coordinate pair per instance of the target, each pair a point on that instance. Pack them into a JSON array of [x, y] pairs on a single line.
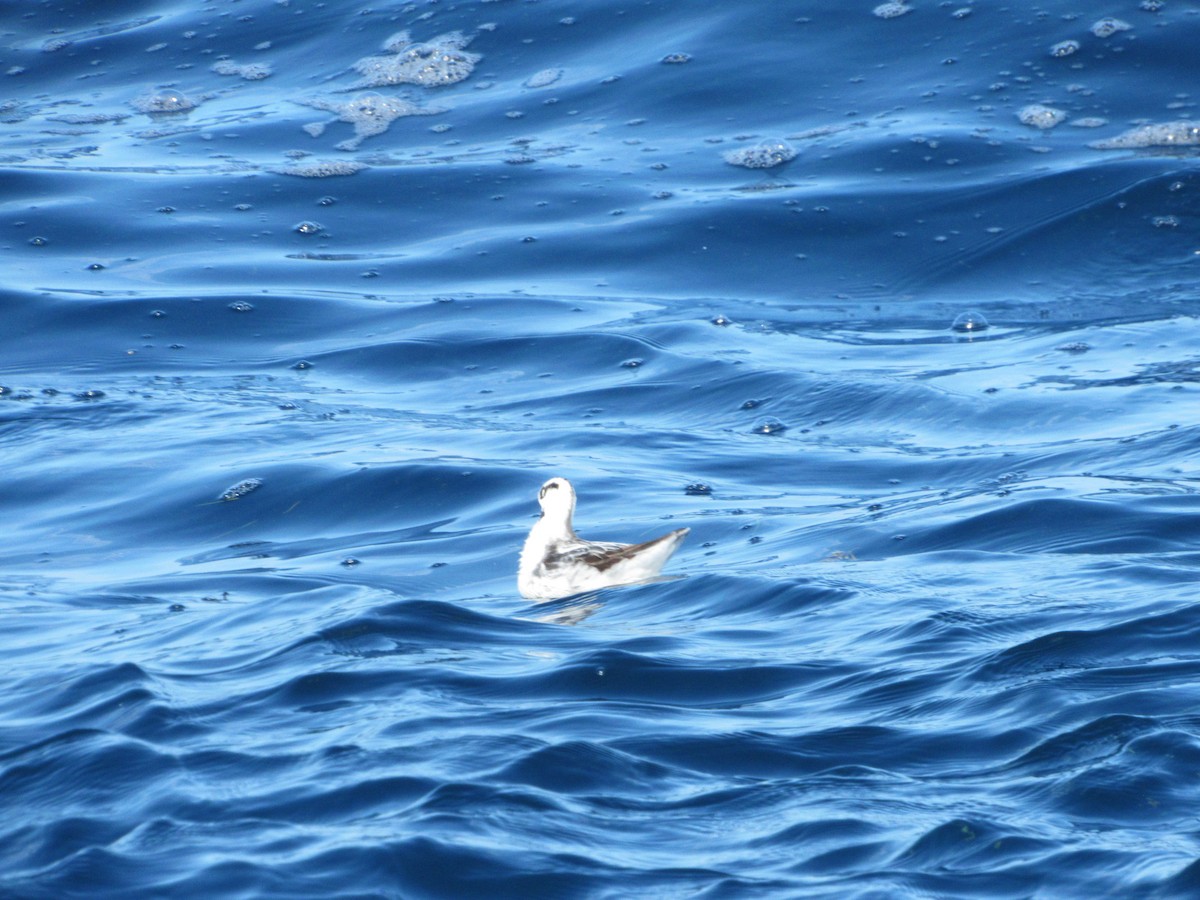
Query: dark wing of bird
[[604, 556]]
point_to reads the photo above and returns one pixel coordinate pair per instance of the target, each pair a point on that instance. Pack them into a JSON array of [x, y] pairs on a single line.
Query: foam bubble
[[544, 78], [167, 101], [1088, 122], [435, 63], [1166, 134], [891, 10], [321, 168], [1064, 48], [768, 425], [969, 322], [1038, 116], [241, 489], [249, 71], [1108, 26], [763, 155], [369, 113]]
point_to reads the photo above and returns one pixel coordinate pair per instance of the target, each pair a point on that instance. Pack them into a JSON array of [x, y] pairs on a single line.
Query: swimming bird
[[556, 562]]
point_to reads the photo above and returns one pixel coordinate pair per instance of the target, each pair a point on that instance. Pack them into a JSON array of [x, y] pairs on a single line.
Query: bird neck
[[554, 524]]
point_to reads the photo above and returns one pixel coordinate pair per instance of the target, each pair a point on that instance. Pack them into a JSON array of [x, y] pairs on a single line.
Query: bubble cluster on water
[[891, 10], [369, 113], [241, 489], [1108, 26], [1064, 48], [241, 306], [307, 228], [675, 59], [1167, 134], [249, 71], [321, 168], [1038, 116], [969, 322], [763, 155], [88, 118], [165, 101], [438, 62], [544, 78]]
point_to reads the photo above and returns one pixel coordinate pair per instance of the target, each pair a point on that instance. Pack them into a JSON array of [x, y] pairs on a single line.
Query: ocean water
[[298, 311]]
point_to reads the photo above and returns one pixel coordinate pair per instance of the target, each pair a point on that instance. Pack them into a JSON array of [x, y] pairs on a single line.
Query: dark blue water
[[272, 442]]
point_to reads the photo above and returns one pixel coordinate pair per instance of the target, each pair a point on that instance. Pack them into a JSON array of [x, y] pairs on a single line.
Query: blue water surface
[[286, 354]]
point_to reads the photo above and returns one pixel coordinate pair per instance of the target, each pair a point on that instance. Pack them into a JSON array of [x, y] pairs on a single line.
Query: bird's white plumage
[[556, 562]]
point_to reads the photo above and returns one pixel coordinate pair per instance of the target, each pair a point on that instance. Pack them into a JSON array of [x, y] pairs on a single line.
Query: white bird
[[556, 562]]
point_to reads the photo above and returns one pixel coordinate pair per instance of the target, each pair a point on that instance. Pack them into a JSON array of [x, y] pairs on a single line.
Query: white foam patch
[[764, 155], [891, 10], [88, 118], [369, 113], [249, 71], [1109, 26], [438, 62], [1166, 134], [1038, 116], [544, 78], [322, 168], [168, 101]]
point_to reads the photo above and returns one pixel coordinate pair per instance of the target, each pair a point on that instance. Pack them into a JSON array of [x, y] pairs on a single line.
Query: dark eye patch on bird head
[[546, 487]]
